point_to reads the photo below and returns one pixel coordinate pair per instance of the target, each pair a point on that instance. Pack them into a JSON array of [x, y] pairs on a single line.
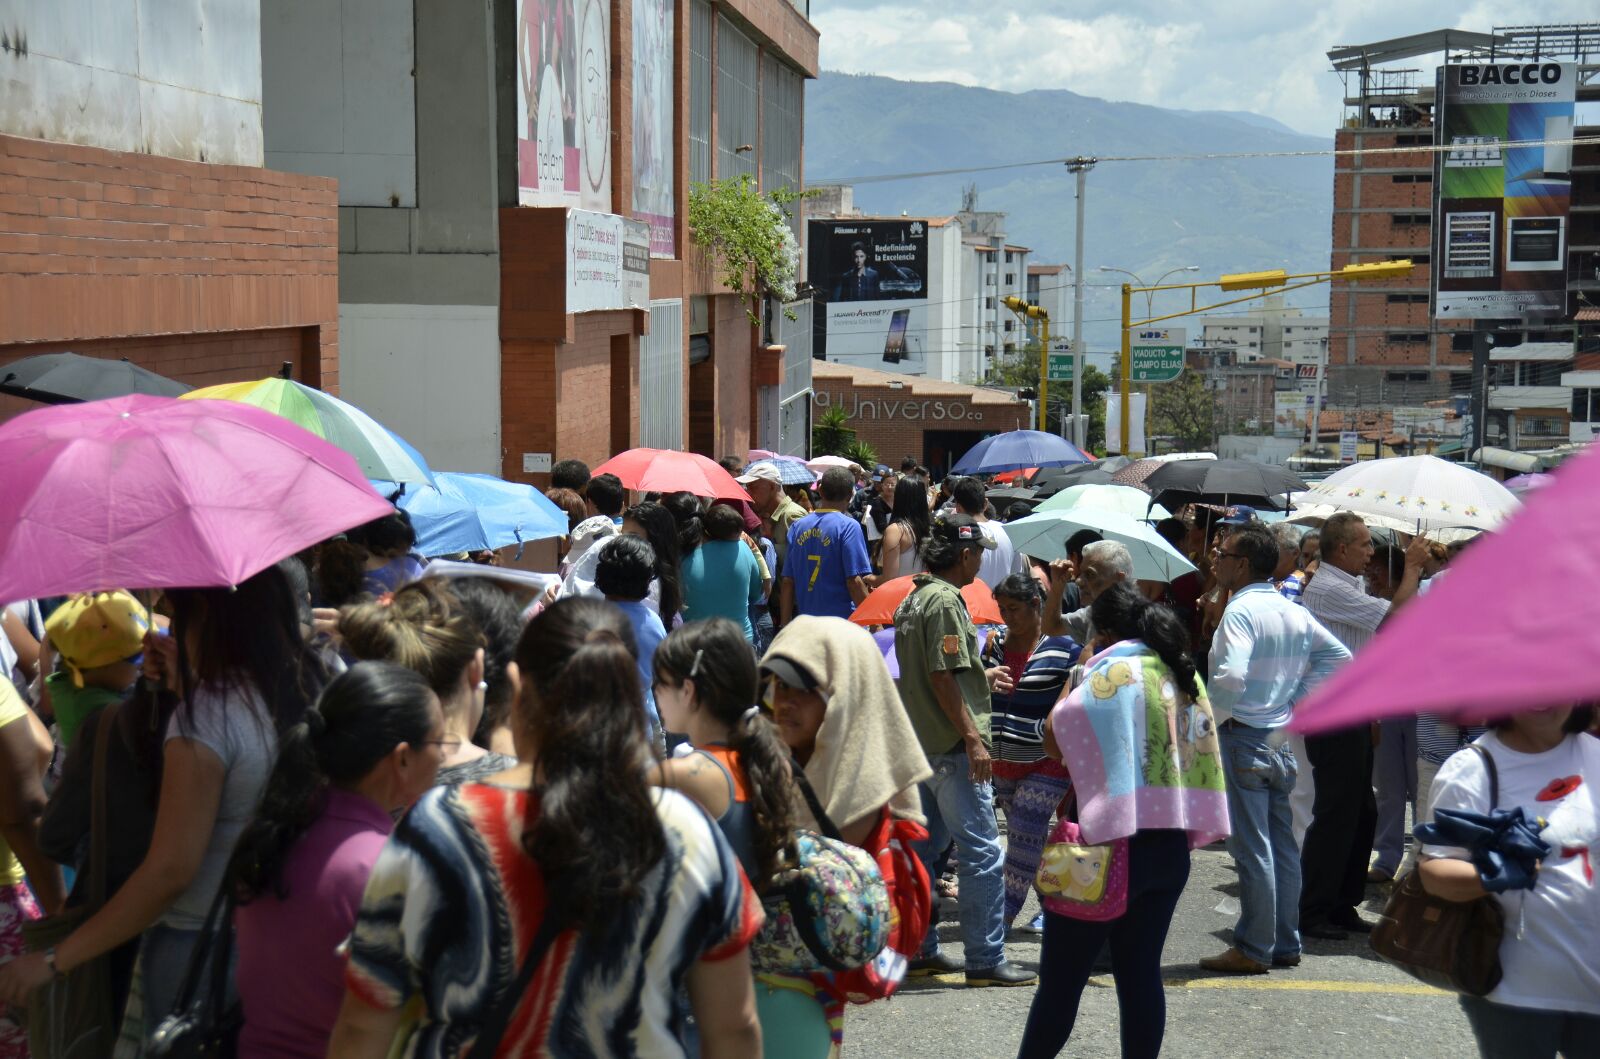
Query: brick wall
[[731, 341], [100, 247], [895, 422]]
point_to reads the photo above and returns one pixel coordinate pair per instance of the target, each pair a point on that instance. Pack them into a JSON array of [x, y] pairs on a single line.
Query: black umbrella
[[1052, 480], [1221, 481], [1010, 495], [64, 378]]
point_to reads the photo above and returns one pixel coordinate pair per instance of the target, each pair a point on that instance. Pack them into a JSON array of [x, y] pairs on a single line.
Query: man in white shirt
[[1338, 844], [1002, 560]]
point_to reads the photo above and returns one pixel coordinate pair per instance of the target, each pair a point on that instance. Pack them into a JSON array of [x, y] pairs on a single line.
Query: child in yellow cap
[[99, 636]]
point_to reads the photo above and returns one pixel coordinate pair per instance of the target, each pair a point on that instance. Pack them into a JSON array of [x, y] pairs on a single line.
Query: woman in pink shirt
[[369, 748]]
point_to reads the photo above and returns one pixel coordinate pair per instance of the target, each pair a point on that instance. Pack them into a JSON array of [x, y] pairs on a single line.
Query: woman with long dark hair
[[652, 521], [367, 749], [241, 672], [645, 894], [1151, 806], [909, 525], [721, 575], [388, 540]]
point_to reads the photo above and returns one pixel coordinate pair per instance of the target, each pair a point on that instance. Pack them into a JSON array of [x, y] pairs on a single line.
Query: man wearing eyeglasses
[[1266, 654]]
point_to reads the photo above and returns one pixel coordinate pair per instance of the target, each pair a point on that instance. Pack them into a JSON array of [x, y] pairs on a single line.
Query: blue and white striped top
[[1266, 654], [1017, 719]]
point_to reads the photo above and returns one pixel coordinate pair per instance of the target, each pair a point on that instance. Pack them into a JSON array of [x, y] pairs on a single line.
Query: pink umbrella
[[670, 471], [151, 492], [1509, 627]]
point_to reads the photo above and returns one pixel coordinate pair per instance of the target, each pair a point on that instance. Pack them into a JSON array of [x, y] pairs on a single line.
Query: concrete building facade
[[141, 222]]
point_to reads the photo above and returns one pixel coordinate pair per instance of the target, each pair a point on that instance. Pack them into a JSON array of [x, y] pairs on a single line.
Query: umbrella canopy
[[791, 471], [1044, 534], [881, 603], [478, 512], [1524, 483], [822, 463], [1178, 482], [1419, 492], [1508, 626], [1124, 499], [670, 471], [375, 448], [1016, 449], [1052, 480], [61, 378], [1011, 495], [149, 492]]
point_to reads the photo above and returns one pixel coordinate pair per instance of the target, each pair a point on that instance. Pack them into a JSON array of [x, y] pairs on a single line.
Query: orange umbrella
[[881, 603]]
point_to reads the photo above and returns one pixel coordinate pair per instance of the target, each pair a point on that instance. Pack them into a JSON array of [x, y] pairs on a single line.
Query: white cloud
[[1255, 55]]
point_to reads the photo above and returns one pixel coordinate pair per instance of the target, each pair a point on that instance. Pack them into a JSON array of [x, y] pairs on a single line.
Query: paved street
[[1341, 1001]]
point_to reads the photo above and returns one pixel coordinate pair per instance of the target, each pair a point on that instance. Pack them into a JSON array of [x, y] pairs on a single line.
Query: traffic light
[[1249, 280], [1022, 308], [1377, 270]]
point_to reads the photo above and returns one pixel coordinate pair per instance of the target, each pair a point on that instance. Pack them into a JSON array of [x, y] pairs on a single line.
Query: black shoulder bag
[[204, 1022]]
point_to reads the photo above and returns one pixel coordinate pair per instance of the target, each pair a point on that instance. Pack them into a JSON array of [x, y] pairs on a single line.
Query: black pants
[[1338, 844], [1158, 868]]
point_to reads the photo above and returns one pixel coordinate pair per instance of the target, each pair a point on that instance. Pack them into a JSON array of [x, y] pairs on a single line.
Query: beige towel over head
[[867, 755]]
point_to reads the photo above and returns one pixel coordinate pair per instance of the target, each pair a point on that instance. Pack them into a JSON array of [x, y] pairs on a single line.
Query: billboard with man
[[873, 276], [1503, 181]]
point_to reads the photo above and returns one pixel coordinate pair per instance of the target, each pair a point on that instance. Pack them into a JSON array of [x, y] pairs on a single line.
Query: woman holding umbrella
[[1544, 763]]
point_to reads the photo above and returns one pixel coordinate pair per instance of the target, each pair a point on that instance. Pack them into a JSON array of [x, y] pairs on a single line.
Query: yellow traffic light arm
[[1036, 312], [1275, 281]]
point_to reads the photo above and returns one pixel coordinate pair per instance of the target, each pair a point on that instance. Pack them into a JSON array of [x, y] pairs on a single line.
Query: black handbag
[[72, 1015], [1453, 945], [204, 1022]]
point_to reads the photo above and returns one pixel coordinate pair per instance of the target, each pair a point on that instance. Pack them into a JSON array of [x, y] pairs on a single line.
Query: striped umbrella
[[378, 452]]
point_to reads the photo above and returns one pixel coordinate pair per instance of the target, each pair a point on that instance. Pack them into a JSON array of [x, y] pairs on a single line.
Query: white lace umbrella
[[1413, 493]]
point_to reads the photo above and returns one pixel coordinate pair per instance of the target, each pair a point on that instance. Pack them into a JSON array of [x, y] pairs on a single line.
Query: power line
[[1207, 156]]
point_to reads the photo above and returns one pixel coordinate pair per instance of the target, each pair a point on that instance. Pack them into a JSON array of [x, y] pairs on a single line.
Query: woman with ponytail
[[365, 751], [1151, 807], [619, 893]]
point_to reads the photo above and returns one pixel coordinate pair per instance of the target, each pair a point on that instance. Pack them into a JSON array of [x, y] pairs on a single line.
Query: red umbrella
[[669, 471], [881, 603], [1007, 477]]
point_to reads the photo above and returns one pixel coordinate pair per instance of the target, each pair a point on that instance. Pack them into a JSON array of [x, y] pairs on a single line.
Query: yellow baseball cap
[[96, 629]]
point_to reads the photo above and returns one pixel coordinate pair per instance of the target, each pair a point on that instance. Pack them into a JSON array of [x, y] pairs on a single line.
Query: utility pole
[[1316, 398], [1080, 167]]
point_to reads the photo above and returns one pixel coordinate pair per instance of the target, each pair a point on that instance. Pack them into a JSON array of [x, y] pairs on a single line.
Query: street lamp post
[[1125, 385]]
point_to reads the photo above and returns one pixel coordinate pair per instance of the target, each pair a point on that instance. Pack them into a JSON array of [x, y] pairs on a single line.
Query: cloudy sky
[[1270, 58]]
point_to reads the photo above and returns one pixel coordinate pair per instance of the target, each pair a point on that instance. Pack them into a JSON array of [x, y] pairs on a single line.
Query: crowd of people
[[391, 809]]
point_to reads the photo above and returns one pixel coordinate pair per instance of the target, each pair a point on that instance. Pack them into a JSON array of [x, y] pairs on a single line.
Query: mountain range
[[1223, 214]]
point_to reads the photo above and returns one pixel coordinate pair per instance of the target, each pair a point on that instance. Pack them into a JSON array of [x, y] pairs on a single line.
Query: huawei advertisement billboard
[[873, 277]]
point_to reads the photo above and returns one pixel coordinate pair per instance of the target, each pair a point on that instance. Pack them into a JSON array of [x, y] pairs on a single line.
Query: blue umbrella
[[475, 512], [791, 471], [1017, 449]]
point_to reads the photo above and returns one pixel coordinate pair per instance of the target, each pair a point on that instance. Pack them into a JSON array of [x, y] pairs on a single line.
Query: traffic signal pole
[[1261, 283]]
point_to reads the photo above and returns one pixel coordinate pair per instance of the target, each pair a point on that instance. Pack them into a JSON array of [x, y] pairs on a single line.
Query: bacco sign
[[886, 408]]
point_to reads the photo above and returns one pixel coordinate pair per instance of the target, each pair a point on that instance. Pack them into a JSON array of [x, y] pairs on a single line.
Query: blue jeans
[[1261, 773], [961, 810]]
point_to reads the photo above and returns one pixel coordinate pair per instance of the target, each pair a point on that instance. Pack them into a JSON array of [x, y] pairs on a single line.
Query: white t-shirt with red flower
[[1550, 956]]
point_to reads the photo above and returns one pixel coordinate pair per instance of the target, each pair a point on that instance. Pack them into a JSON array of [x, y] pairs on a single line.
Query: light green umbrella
[[1123, 499], [1044, 536]]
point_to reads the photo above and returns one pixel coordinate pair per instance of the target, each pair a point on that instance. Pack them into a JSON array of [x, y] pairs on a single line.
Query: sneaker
[[928, 966], [1003, 973], [1233, 962], [1032, 926]]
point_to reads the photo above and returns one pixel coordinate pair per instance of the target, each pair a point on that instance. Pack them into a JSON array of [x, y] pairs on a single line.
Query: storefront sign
[[910, 409], [608, 262]]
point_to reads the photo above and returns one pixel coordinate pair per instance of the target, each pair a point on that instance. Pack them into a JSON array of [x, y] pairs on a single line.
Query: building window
[[1403, 219], [1405, 376], [1543, 372], [1585, 405], [988, 351], [988, 303], [700, 21], [1412, 178], [1408, 299], [738, 95], [988, 279], [1541, 426], [1010, 324], [1413, 139], [1011, 279], [1407, 337], [1421, 259], [781, 109], [1008, 257]]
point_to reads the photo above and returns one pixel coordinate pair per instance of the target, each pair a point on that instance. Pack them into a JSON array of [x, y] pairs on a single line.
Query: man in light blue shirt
[[1267, 652]]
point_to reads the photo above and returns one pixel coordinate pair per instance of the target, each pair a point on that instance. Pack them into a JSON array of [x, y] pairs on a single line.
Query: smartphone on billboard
[[894, 346]]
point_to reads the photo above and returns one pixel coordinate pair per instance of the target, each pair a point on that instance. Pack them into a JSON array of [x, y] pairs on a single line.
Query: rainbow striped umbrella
[[380, 454]]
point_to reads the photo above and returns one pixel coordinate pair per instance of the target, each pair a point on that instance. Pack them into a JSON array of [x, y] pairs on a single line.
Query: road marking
[[1293, 985]]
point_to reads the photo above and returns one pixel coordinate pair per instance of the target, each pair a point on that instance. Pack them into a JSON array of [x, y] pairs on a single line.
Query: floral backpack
[[828, 909]]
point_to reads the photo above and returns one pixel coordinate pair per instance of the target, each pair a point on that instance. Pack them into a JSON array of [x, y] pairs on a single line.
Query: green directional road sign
[[1157, 354], [1059, 367]]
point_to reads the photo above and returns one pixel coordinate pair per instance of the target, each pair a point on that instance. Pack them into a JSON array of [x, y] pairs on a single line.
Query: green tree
[[830, 436], [861, 452], [1184, 411]]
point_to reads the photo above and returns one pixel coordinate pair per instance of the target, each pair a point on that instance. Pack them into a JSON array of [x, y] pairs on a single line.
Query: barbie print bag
[[1082, 881]]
